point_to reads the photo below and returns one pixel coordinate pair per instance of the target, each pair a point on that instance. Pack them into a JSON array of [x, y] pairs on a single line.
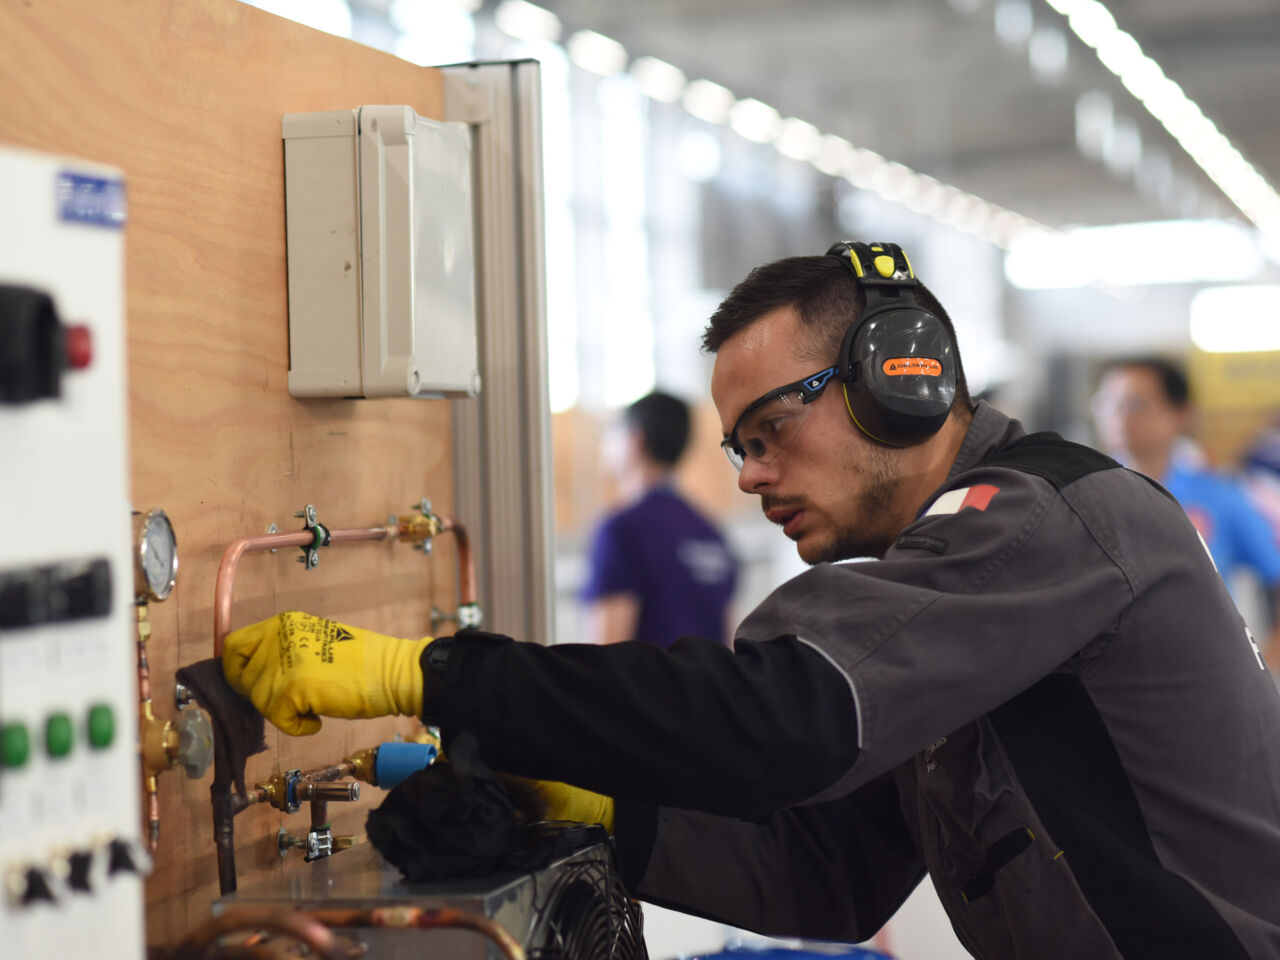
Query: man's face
[[831, 489], [1133, 414]]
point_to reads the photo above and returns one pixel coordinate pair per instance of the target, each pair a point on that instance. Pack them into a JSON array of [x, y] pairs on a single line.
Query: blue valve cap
[[397, 761]]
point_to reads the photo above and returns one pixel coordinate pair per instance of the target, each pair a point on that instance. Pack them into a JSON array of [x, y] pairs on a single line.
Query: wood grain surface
[[186, 98]]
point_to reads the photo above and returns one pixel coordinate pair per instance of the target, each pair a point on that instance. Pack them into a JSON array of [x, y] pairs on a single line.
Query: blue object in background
[[397, 761]]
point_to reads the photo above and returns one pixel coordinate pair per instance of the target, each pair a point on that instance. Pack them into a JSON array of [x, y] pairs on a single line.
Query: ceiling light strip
[[1120, 53], [761, 123]]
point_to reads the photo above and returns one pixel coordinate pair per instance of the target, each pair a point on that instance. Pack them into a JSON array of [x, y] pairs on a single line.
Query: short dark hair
[[828, 299], [1173, 381], [663, 422]]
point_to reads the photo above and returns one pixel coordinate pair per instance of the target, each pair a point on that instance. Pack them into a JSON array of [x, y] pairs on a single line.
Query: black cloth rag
[[455, 820], [238, 728]]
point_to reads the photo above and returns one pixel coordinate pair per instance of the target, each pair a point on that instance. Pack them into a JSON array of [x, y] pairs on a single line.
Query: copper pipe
[[255, 951], [335, 772], [423, 919], [144, 668], [222, 592], [312, 790], [319, 814], [301, 927], [225, 807], [466, 568]]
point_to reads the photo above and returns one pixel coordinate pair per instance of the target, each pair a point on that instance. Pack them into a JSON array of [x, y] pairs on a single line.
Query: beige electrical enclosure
[[381, 256]]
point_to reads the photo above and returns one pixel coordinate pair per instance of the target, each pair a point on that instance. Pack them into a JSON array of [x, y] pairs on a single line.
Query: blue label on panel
[[85, 199]]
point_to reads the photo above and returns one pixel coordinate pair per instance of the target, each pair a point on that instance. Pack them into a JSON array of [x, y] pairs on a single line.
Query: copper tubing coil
[[292, 923], [423, 919], [222, 596]]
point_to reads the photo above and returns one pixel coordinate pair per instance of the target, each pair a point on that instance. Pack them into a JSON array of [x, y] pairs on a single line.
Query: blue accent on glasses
[[807, 390]]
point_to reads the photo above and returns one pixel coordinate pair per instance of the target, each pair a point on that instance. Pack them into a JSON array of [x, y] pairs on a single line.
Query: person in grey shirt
[[1041, 694]]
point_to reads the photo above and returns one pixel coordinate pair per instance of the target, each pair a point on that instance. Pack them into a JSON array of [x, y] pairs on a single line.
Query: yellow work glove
[[295, 667], [552, 800]]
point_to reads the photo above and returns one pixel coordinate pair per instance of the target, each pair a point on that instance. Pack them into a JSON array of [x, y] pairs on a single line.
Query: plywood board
[[186, 99]]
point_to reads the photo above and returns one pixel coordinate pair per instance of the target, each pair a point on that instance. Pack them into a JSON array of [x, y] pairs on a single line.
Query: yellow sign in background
[[1235, 395]]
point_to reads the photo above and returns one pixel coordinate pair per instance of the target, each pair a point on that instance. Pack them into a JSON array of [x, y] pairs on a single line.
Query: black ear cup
[[903, 379], [898, 361]]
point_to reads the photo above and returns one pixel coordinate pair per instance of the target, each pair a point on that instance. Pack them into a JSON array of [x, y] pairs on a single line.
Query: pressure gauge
[[155, 559]]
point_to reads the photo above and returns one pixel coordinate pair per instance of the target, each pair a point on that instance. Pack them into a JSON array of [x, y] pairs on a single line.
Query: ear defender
[[898, 361]]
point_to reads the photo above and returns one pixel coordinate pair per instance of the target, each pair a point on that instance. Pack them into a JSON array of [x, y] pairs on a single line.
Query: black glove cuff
[[452, 666]]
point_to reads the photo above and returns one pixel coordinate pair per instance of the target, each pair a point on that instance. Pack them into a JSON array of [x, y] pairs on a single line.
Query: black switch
[[120, 859], [33, 349], [27, 598], [79, 865], [35, 887], [87, 588]]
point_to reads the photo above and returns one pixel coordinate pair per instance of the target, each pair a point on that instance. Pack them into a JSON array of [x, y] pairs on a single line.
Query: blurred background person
[[1261, 470], [1143, 412], [658, 569]]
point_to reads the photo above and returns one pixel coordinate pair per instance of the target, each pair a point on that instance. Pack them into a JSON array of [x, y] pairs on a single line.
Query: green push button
[[15, 745], [102, 726], [58, 735]]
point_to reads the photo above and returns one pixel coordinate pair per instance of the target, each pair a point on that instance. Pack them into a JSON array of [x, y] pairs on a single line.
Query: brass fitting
[[363, 764], [419, 528], [159, 743], [426, 734], [186, 742], [277, 790]]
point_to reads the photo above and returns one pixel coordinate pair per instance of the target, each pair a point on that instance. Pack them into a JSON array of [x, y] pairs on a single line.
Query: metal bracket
[[424, 508], [467, 617], [439, 618], [311, 552], [319, 843]]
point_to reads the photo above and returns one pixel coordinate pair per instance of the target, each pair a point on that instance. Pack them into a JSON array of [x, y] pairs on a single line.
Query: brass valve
[[287, 791], [186, 742]]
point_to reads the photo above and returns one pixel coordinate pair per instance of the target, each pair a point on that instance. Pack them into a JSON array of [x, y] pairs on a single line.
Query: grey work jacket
[[1061, 717]]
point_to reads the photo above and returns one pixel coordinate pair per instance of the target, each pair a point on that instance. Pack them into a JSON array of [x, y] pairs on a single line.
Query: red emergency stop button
[[79, 342]]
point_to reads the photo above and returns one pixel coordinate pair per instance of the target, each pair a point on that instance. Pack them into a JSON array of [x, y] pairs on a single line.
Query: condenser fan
[[588, 916]]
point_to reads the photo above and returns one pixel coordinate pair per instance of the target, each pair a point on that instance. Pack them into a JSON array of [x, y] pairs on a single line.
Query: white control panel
[[71, 860]]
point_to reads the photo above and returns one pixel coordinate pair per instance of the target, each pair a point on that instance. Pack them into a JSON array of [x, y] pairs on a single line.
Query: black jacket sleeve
[[739, 733], [836, 870]]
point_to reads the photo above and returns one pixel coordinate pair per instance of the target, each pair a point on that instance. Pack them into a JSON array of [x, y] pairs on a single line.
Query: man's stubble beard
[[876, 528]]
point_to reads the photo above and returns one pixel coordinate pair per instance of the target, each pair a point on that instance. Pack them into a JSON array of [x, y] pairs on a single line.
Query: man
[[1041, 694], [659, 570], [1143, 412]]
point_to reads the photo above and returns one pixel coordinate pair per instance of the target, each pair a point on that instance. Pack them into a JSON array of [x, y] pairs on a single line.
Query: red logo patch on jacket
[[953, 501]]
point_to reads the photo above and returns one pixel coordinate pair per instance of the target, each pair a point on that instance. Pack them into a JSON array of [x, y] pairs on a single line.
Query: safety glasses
[[770, 423]]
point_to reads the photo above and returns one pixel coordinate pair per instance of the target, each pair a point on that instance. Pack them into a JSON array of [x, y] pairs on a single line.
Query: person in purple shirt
[[659, 570], [1143, 408]]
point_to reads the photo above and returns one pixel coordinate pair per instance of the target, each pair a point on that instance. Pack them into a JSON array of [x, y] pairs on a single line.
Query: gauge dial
[[156, 556]]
